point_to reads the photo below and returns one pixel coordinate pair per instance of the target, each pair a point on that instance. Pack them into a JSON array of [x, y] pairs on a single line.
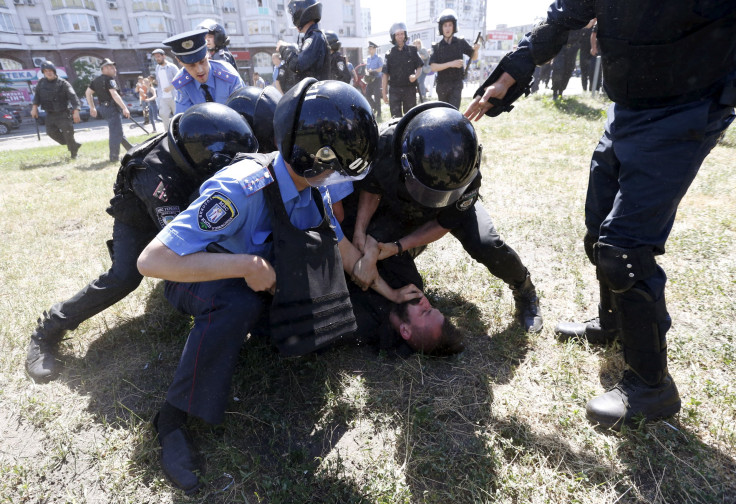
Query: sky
[[515, 12]]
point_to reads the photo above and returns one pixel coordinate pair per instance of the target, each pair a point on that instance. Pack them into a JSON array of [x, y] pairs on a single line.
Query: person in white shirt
[[165, 72]]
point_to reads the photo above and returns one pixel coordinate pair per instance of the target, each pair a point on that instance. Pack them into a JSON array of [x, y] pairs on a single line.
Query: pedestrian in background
[[165, 72]]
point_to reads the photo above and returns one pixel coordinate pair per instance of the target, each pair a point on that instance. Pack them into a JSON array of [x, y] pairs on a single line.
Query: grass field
[[502, 422]]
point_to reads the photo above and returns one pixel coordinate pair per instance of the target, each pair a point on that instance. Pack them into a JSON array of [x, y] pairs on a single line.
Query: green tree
[[85, 73]]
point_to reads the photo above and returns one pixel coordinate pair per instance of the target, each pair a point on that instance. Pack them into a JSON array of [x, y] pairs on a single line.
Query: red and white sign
[[241, 55], [500, 35]]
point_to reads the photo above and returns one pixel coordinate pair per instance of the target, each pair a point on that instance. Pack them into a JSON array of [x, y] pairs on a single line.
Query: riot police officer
[[217, 42], [338, 65], [400, 71], [424, 184], [258, 107], [664, 121], [56, 96], [110, 106], [325, 135], [155, 182], [447, 59], [311, 57]]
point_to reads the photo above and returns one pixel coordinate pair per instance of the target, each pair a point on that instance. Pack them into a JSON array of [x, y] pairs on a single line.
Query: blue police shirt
[[222, 81], [231, 210], [374, 63]]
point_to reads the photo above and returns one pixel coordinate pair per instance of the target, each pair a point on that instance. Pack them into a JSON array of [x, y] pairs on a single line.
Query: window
[[151, 5], [154, 24], [73, 4], [200, 6], [9, 64], [35, 25], [231, 27], [117, 25], [77, 23], [6, 23], [262, 59], [348, 12], [260, 27]]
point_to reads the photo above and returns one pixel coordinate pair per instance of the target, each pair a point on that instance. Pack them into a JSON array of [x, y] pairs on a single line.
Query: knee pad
[[589, 242], [620, 268]]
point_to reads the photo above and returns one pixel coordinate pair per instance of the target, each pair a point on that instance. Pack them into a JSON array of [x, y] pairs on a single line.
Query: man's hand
[[481, 104], [413, 78], [359, 240], [126, 112], [387, 250], [261, 276], [93, 111], [458, 63], [385, 97], [365, 271], [407, 293], [75, 116], [34, 112]]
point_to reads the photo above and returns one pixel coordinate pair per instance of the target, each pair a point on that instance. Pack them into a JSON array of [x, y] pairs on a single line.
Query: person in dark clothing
[[671, 74], [111, 105], [425, 184], [155, 182], [57, 97], [563, 64], [400, 71], [447, 59], [587, 61], [217, 42], [338, 65], [311, 57]]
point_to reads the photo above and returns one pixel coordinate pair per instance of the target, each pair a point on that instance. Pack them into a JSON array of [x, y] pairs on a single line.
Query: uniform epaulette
[[255, 177], [224, 71], [181, 79]]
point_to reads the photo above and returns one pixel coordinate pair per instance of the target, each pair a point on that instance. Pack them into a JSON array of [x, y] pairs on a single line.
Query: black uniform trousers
[[450, 92], [224, 312], [401, 99], [373, 94], [479, 238], [60, 128], [120, 280]]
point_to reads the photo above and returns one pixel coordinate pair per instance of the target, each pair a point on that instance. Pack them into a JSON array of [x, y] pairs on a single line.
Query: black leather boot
[[180, 459], [42, 364], [527, 313], [601, 330], [647, 389]]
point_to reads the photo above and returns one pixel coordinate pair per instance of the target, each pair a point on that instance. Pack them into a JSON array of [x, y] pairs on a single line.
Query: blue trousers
[[224, 312], [111, 113], [641, 169]]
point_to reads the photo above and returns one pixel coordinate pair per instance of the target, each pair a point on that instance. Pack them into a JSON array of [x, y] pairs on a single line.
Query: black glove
[[521, 87], [287, 51]]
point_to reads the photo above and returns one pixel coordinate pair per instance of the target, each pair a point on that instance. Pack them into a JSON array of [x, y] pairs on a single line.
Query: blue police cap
[[190, 46]]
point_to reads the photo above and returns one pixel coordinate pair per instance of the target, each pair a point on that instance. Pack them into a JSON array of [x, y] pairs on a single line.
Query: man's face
[[210, 41], [49, 74], [447, 28], [275, 60], [109, 70], [425, 323], [372, 51], [160, 58], [200, 70], [400, 38]]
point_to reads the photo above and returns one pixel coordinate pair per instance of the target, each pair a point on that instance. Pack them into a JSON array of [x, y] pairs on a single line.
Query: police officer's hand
[[75, 117], [126, 112], [385, 97], [386, 250], [413, 77], [93, 111], [407, 293], [359, 239], [458, 63], [364, 272], [260, 275], [34, 112], [480, 104]]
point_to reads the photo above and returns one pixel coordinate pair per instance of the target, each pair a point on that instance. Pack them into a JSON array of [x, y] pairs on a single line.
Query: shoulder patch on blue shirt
[[222, 72], [216, 213], [256, 179], [182, 79]]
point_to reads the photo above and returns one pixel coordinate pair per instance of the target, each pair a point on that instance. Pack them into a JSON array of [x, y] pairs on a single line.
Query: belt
[[106, 103]]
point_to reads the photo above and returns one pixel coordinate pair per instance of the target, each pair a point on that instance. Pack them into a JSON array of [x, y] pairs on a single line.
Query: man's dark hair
[[451, 339]]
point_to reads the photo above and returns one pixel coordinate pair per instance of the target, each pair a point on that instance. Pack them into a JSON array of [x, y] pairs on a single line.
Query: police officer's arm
[[536, 48], [88, 93], [312, 53], [384, 86], [438, 67], [117, 99], [74, 102], [367, 205], [159, 261], [423, 235]]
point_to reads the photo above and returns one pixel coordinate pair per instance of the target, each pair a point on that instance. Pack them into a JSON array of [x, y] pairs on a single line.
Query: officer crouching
[[272, 213]]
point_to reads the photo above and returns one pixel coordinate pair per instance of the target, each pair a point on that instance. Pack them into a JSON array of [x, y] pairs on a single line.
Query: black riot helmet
[[304, 11], [447, 15], [216, 29], [47, 65], [333, 41], [326, 131], [397, 27], [439, 153], [206, 137], [257, 106]]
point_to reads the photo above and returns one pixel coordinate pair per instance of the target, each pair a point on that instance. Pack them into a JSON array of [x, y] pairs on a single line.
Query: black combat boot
[[180, 460], [527, 312], [601, 330], [647, 389], [41, 362]]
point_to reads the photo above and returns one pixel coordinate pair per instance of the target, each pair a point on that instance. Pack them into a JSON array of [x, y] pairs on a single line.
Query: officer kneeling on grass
[[155, 182], [424, 184], [273, 213]]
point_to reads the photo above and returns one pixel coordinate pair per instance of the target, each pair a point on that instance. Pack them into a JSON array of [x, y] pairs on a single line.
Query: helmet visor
[[426, 196], [327, 170]]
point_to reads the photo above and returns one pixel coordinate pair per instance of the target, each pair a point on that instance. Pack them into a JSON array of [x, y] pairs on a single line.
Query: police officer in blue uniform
[[671, 74], [325, 134], [201, 79], [217, 42], [425, 184], [111, 105], [155, 182], [56, 96], [373, 78], [400, 71], [310, 57], [447, 59]]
